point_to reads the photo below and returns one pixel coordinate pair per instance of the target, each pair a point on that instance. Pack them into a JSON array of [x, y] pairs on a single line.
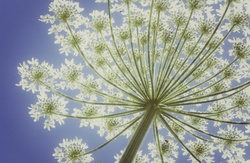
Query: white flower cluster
[[72, 151], [166, 150], [180, 68], [33, 74], [49, 108]]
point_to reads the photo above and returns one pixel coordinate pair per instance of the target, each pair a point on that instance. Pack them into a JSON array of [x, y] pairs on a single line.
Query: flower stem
[[136, 140]]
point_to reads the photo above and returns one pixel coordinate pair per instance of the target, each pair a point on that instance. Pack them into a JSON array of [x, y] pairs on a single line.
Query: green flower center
[[72, 76], [99, 48], [230, 139], [176, 128], [91, 111], [64, 14], [218, 110], [99, 24], [112, 124], [38, 75], [74, 153], [196, 121], [241, 101], [74, 41], [49, 108], [200, 149]]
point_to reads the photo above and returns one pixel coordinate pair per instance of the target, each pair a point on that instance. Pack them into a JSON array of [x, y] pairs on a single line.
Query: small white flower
[[230, 146], [70, 74], [89, 111], [201, 150], [110, 127], [169, 150], [34, 75], [72, 151], [49, 108], [65, 11], [99, 20]]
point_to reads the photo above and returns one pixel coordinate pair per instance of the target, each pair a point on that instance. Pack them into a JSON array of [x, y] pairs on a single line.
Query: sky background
[[22, 37]]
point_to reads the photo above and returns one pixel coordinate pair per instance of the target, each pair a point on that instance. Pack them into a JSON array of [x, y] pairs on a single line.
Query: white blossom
[[72, 151], [49, 108], [177, 68], [34, 74]]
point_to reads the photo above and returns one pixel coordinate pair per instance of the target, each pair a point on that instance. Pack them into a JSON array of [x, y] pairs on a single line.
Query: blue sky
[[22, 37]]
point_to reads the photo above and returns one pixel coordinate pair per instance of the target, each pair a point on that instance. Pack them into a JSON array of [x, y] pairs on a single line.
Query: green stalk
[[162, 72], [138, 88], [201, 83], [132, 46], [114, 41], [106, 95], [100, 116], [173, 58], [153, 53], [130, 153], [157, 139], [182, 102], [106, 143], [87, 102], [149, 58], [176, 73]]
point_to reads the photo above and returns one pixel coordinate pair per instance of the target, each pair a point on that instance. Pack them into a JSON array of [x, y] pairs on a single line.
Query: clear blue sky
[[22, 37]]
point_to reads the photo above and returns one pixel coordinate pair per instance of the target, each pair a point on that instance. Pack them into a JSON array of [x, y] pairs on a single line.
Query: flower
[[99, 20], [167, 149], [64, 11], [110, 127], [177, 68], [50, 109], [70, 74], [230, 147], [87, 113], [201, 150], [72, 151], [34, 74]]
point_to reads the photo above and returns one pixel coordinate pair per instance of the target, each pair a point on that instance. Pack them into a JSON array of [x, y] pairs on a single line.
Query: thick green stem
[[135, 142]]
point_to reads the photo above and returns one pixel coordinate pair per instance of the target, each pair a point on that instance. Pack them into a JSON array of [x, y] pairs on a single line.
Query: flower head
[[72, 151], [201, 150], [70, 74], [34, 74], [169, 66], [195, 4], [64, 11], [167, 148], [230, 145], [161, 5], [50, 109], [241, 51], [206, 27], [239, 19], [99, 20]]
